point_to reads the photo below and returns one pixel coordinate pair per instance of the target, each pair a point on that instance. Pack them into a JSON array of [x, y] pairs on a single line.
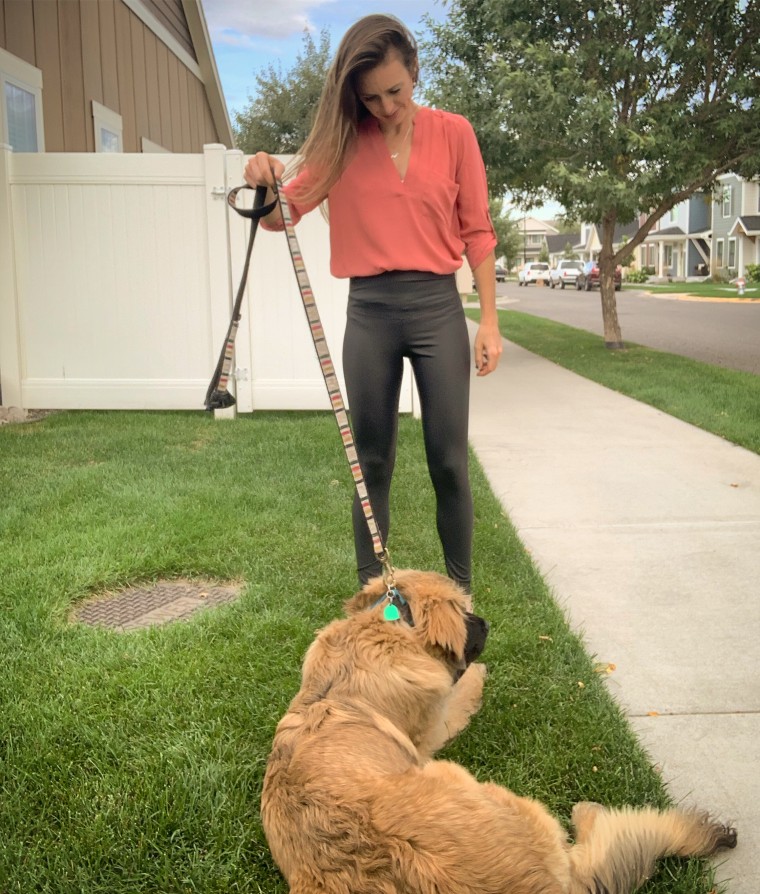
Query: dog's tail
[[616, 850]]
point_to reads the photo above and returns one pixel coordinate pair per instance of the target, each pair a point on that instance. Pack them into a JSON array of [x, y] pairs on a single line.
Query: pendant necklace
[[395, 155]]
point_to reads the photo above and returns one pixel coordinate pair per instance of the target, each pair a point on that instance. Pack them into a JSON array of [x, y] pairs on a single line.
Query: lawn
[[699, 289], [133, 763], [719, 400]]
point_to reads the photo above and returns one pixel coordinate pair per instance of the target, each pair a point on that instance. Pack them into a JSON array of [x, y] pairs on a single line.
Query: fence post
[[220, 294], [10, 348]]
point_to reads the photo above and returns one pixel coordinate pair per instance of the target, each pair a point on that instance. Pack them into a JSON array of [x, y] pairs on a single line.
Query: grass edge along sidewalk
[[721, 401], [132, 763]]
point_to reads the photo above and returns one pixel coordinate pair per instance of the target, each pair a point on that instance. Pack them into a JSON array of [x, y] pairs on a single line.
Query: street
[[723, 333]]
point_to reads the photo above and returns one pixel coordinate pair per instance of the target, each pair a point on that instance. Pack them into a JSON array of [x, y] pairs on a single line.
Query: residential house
[[562, 245], [735, 225], [109, 76], [590, 243], [678, 246], [533, 233]]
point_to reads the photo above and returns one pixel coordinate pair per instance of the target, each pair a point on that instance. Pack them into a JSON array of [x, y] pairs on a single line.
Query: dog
[[354, 803]]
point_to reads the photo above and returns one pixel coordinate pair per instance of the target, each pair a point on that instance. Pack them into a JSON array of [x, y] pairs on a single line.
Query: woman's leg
[[373, 368], [441, 362]]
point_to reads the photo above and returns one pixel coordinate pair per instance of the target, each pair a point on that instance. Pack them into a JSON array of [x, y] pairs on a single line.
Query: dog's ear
[[441, 623], [366, 597]]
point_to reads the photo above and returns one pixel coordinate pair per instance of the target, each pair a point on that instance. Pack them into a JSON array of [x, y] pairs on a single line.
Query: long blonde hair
[[340, 111]]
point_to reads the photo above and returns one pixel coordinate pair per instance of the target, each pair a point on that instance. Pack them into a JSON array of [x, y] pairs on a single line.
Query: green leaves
[[610, 102], [279, 117]]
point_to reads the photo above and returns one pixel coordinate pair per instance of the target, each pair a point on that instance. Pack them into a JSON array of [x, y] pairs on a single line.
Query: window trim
[[105, 118], [149, 146], [728, 194], [720, 255], [731, 250], [26, 77]]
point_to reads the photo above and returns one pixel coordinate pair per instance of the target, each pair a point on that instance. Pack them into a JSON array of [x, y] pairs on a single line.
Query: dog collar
[[397, 607]]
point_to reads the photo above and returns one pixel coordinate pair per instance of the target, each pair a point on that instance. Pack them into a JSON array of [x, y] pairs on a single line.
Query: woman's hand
[[488, 345], [488, 348], [262, 169]]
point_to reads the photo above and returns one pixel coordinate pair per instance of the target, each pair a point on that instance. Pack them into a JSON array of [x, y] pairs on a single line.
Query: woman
[[407, 195]]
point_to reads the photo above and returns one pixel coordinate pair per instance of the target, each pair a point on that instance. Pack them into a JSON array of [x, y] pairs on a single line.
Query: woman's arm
[[488, 344]]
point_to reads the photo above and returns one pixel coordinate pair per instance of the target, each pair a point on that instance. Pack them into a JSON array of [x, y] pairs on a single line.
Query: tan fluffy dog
[[353, 803]]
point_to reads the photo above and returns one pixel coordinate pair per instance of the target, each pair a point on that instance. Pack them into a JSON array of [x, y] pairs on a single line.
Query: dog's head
[[401, 665], [438, 610]]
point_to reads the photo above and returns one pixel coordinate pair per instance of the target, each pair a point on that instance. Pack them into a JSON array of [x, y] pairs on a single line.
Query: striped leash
[[325, 362]]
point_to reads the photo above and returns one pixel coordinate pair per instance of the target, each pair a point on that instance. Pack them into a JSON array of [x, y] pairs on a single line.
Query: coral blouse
[[426, 221]]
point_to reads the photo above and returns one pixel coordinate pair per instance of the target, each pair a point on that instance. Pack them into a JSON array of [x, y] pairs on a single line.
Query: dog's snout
[[477, 632]]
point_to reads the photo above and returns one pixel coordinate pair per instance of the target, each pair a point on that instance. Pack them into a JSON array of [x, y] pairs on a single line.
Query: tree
[[569, 254], [508, 238], [280, 116], [565, 224], [617, 109]]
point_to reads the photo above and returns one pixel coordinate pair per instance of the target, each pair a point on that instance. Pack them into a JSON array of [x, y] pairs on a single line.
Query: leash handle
[[218, 396], [332, 384]]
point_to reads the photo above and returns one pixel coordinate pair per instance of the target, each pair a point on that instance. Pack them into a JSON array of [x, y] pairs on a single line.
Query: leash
[[218, 397]]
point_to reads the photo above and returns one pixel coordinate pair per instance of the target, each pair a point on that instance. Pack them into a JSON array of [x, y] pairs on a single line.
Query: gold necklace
[[395, 155]]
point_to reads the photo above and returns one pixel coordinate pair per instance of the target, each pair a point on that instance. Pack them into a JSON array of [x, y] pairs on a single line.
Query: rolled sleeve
[[476, 228]]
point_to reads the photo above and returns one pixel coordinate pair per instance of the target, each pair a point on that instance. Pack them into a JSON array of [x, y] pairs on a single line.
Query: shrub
[[753, 272], [637, 275]]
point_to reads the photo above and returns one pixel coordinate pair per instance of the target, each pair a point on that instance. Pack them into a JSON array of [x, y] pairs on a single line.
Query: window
[[731, 253], [727, 193], [108, 129], [668, 256], [719, 258], [20, 104]]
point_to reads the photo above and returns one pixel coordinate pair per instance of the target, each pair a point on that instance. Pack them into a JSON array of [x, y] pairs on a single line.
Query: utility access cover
[[156, 603]]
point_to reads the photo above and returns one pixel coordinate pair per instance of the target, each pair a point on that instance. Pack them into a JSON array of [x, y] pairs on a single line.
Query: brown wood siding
[[100, 50], [48, 47], [171, 15]]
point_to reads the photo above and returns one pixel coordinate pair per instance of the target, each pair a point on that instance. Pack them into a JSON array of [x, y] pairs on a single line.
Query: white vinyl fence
[[117, 276]]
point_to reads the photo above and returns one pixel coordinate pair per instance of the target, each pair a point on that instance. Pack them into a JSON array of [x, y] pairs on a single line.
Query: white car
[[533, 271], [564, 273]]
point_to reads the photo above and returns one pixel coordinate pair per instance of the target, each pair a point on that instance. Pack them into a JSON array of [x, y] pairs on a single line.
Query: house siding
[[172, 17], [721, 226], [100, 50], [699, 213]]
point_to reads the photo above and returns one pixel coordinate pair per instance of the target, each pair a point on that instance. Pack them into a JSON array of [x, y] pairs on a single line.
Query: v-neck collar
[[383, 148]]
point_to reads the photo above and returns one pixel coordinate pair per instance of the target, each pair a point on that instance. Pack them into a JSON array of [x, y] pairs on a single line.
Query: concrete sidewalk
[[648, 532]]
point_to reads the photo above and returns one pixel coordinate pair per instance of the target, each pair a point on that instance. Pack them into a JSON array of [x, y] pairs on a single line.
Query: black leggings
[[419, 316]]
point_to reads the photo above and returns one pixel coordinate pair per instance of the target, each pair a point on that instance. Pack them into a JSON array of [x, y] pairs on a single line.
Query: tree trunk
[[613, 337]]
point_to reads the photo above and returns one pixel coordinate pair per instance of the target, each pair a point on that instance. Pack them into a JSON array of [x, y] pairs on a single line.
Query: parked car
[[588, 277], [533, 271], [564, 273]]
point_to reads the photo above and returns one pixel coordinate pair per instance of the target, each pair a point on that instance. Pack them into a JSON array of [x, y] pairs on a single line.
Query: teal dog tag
[[391, 613]]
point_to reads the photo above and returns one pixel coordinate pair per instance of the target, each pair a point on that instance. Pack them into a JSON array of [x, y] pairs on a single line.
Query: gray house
[[735, 225], [679, 246]]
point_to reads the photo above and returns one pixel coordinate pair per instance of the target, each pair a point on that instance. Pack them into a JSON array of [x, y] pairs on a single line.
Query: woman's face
[[386, 91]]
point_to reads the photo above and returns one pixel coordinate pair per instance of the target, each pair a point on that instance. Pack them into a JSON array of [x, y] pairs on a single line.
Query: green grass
[[699, 289], [132, 763], [719, 400]]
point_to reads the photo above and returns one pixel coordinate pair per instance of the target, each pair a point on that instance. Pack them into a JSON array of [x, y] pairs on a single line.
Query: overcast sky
[[249, 35]]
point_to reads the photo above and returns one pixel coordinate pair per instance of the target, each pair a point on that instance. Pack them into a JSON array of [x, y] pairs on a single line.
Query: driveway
[[724, 333]]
